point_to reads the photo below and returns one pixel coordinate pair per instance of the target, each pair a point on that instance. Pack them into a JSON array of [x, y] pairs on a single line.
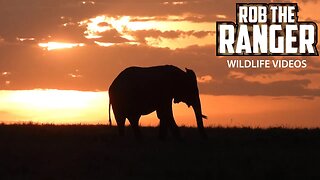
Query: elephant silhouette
[[138, 91]]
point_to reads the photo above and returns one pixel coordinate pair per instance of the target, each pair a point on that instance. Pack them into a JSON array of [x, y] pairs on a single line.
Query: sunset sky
[[58, 58]]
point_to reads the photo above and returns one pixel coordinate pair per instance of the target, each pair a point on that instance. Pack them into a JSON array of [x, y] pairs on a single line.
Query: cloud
[[141, 35], [112, 36], [307, 97], [94, 67], [239, 86], [39, 19], [204, 79], [306, 71]]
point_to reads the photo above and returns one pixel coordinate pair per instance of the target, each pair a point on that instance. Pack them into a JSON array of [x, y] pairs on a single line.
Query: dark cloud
[[307, 97], [313, 61], [142, 34], [69, 33], [305, 1], [306, 71], [112, 36], [239, 86], [279, 98], [263, 71], [202, 34]]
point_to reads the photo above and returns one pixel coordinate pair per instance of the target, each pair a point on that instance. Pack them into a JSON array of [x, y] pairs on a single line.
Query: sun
[[59, 45]]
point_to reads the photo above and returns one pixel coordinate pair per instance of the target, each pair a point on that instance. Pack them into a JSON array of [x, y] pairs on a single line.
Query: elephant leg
[[172, 123], [134, 122], [167, 120], [174, 128], [120, 123], [163, 132], [163, 124]]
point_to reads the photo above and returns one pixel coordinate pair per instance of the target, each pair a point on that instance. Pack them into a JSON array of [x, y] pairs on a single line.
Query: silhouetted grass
[[96, 152]]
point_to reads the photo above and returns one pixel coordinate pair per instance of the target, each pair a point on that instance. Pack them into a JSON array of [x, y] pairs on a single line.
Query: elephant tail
[[110, 124]]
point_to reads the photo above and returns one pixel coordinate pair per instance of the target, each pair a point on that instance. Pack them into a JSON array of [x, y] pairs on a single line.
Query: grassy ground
[[96, 152]]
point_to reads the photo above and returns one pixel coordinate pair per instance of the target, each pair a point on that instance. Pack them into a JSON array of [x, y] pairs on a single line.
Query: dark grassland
[[97, 152]]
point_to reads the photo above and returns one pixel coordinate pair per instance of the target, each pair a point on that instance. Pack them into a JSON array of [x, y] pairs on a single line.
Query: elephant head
[[188, 93]]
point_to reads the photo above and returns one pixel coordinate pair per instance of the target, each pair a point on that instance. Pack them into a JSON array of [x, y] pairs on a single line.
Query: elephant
[[138, 91]]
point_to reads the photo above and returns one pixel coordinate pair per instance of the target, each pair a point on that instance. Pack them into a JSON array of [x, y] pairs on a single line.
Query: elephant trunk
[[198, 113]]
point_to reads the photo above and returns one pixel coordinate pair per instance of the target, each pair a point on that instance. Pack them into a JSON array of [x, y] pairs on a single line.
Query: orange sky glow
[[57, 67], [79, 107], [75, 107]]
